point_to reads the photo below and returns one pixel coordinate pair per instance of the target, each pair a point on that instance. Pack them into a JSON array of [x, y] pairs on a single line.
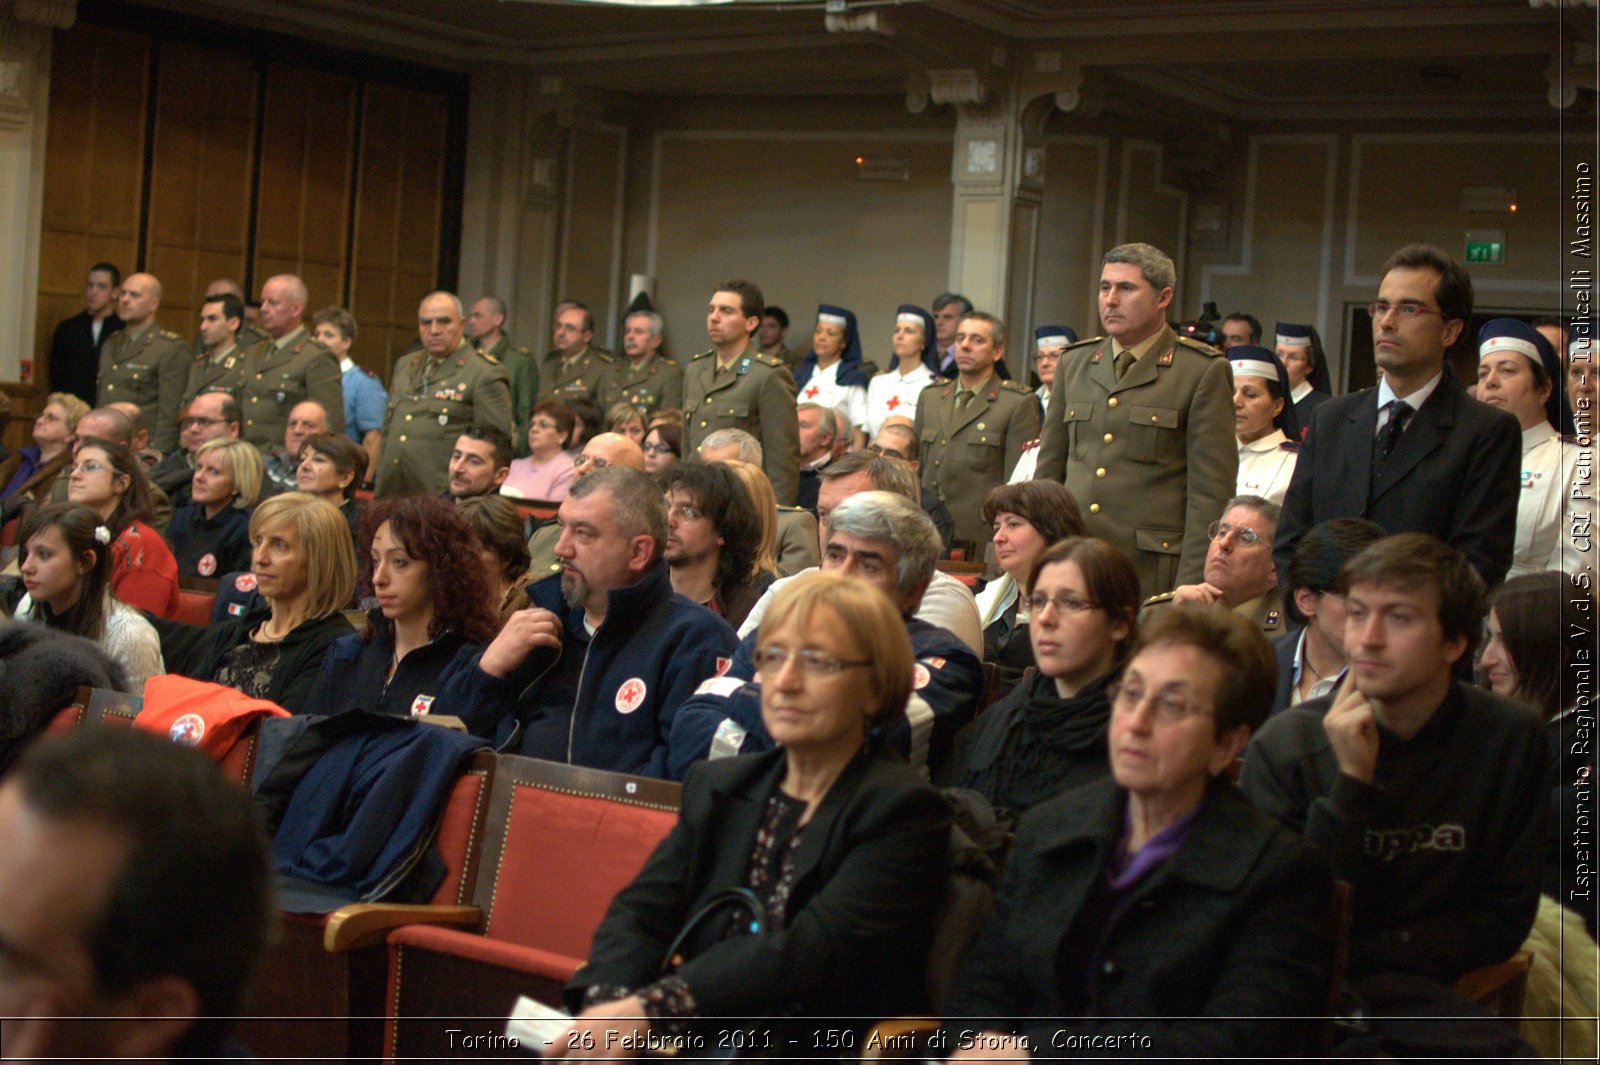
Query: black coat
[[1454, 473], [1234, 924], [195, 652], [869, 874], [75, 354]]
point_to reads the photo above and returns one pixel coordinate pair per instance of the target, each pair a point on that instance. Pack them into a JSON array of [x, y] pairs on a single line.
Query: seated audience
[[1264, 422], [593, 672], [819, 432], [547, 472], [796, 534], [897, 438], [210, 535], [433, 612], [1428, 794], [503, 550], [306, 419], [1049, 734], [878, 538], [712, 539], [607, 449], [1311, 660], [588, 421], [666, 416], [840, 850], [137, 893], [479, 463], [759, 488], [209, 416], [1026, 519], [106, 477], [332, 467], [1539, 651], [1159, 900], [626, 419], [66, 568], [28, 474], [305, 570], [663, 445], [1239, 573]]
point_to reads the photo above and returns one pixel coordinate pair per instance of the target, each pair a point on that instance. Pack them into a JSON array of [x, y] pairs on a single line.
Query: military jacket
[[966, 452], [276, 379], [206, 375], [658, 384], [524, 370], [582, 378], [429, 406], [1265, 611], [755, 393], [152, 370], [1151, 458]]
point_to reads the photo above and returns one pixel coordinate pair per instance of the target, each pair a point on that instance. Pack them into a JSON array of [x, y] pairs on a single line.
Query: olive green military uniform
[[222, 374], [795, 548], [150, 368], [755, 393], [568, 381], [280, 374], [542, 551], [656, 384], [524, 370], [1151, 456], [790, 357], [1265, 611], [247, 336], [430, 402], [969, 447]]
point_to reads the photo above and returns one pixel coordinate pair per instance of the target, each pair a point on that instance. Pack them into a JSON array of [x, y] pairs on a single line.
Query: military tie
[[1400, 413], [963, 397], [1125, 359]]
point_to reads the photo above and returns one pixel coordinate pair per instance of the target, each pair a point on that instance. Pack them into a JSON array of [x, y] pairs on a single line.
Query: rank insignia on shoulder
[[489, 357], [771, 360], [1031, 444], [168, 334], [1292, 446], [1166, 358], [1018, 388], [1271, 618], [1203, 348], [1095, 357], [744, 366]]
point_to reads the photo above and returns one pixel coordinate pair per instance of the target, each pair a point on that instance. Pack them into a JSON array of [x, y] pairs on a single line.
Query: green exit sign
[[1486, 247]]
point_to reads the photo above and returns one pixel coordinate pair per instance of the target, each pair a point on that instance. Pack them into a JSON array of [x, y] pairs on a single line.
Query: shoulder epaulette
[[1084, 343], [703, 354], [1019, 389], [791, 510], [1203, 348], [770, 360], [491, 359], [937, 380], [602, 356], [1289, 445], [370, 373], [1031, 443], [167, 334], [1164, 597], [525, 351]]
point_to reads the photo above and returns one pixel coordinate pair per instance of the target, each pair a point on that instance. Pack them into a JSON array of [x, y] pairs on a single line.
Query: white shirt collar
[[346, 364], [1415, 400], [1269, 442], [1300, 391], [1538, 434]]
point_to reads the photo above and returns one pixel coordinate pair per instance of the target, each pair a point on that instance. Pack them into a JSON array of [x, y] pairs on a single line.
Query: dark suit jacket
[[75, 354], [1283, 650], [869, 873], [1454, 474]]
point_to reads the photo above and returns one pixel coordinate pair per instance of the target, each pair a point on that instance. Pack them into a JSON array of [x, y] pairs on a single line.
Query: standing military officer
[[735, 386], [248, 334], [973, 428], [437, 392], [645, 378], [220, 365], [287, 368], [1140, 426], [486, 327], [145, 364], [575, 368]]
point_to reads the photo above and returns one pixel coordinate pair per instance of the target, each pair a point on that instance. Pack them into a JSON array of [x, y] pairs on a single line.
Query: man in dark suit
[[1415, 454], [75, 345]]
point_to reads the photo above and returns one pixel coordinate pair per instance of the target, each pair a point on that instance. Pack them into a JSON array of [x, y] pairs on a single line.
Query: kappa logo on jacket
[[1391, 843]]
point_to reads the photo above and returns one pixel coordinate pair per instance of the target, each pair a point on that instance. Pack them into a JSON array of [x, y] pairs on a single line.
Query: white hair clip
[[102, 534]]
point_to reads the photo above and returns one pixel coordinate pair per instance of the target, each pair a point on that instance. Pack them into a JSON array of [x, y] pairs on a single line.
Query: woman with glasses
[[1026, 518], [1299, 348], [1160, 893], [1049, 734], [210, 535], [829, 856], [547, 471], [663, 445], [107, 477], [1264, 423], [1050, 343]]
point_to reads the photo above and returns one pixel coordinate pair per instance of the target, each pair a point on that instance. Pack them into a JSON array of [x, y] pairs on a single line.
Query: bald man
[[288, 367], [607, 449], [144, 363]]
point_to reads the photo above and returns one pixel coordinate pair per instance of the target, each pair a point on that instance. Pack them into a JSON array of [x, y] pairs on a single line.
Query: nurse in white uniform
[[913, 368], [1264, 423], [1518, 372], [831, 374]]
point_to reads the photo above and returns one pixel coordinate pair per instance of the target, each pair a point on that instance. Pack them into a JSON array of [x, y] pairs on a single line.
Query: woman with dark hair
[[66, 568], [588, 421], [504, 550], [1299, 348], [432, 615], [305, 569], [107, 477], [663, 445], [547, 471], [913, 365], [1264, 423], [1027, 517], [1049, 734], [833, 373], [331, 467]]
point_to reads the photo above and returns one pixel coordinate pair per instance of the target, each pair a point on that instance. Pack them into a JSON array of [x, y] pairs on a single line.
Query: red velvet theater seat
[[96, 706], [561, 842]]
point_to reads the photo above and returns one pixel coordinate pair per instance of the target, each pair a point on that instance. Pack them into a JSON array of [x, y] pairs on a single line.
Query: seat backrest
[[240, 761], [459, 840], [194, 608], [562, 841]]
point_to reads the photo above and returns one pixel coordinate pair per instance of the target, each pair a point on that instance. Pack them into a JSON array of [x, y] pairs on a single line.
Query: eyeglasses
[[1242, 533], [683, 511], [89, 466], [1065, 603], [591, 460], [1405, 309], [815, 663], [659, 449], [189, 423], [1170, 708], [887, 452]]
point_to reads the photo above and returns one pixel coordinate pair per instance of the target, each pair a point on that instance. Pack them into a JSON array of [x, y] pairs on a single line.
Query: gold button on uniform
[[1094, 508], [1101, 472], [1155, 418], [402, 438], [1112, 402], [1107, 438]]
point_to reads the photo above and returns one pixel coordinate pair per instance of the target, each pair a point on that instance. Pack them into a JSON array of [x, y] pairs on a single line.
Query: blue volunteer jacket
[[355, 675], [724, 716], [604, 700]]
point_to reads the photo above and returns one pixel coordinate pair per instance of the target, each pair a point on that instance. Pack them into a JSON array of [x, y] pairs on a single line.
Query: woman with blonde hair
[[305, 568], [28, 474], [625, 418], [210, 535], [759, 487]]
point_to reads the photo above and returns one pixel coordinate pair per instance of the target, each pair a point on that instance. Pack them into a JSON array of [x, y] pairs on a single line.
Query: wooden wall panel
[[303, 212], [94, 167], [399, 201], [199, 219]]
